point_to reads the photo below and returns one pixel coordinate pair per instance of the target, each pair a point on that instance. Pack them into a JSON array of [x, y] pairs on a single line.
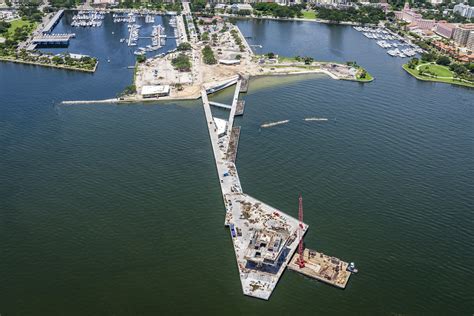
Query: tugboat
[[352, 268]]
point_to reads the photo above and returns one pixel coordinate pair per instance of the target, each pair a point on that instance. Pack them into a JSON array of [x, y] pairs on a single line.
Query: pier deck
[[322, 267], [264, 238], [52, 23]]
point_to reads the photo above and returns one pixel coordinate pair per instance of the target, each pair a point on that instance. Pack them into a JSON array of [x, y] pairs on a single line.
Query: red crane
[[301, 232]]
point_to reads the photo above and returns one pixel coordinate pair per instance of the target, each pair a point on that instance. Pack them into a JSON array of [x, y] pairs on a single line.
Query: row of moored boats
[[395, 44], [88, 19]]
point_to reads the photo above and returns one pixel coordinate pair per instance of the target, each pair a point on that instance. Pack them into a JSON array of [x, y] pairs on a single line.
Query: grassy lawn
[[310, 14], [284, 59], [438, 70], [415, 74], [368, 77], [19, 23]]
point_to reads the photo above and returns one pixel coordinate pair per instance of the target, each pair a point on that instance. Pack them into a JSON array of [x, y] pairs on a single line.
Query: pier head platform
[[322, 267]]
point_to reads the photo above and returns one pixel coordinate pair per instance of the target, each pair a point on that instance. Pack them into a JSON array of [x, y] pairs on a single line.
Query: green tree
[[141, 58], [443, 60], [181, 62], [208, 55], [184, 46]]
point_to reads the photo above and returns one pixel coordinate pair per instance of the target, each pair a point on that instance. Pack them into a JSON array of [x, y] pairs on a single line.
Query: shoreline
[[349, 23], [18, 61], [453, 81], [197, 96]]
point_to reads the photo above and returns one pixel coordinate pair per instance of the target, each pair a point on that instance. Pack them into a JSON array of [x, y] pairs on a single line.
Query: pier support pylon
[[301, 232]]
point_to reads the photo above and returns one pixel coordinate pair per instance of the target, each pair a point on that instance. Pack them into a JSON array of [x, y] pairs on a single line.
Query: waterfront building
[[464, 10], [415, 19], [104, 3], [236, 7], [328, 2], [155, 91], [8, 15], [462, 34], [445, 29], [460, 55]]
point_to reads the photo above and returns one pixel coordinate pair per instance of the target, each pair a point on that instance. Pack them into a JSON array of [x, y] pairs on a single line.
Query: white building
[[464, 10], [155, 91], [221, 126]]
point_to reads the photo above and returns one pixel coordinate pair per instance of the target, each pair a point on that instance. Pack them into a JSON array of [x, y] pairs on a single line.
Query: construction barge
[[324, 268]]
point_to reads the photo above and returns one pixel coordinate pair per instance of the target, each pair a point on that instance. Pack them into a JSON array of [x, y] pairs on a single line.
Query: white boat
[[318, 119]]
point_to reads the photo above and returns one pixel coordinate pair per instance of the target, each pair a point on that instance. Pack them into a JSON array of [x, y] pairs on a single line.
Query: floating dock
[[240, 108], [245, 83], [322, 267]]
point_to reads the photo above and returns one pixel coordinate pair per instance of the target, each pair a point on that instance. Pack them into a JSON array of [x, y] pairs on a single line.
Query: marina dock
[[322, 267], [53, 39]]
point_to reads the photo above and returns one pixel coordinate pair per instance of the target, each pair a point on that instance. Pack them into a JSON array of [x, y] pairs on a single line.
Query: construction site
[[233, 56], [265, 239]]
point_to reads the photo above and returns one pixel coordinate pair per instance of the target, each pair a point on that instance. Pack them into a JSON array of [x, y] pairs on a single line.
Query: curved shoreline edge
[[24, 62], [438, 80], [198, 95]]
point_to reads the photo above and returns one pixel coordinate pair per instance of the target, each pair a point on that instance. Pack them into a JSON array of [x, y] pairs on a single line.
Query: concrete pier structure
[[264, 238], [52, 23], [53, 39], [220, 105]]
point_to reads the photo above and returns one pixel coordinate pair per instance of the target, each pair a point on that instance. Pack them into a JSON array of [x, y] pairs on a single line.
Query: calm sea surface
[[110, 209]]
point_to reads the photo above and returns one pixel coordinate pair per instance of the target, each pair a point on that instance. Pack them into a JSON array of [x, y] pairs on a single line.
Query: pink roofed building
[[415, 19], [445, 29]]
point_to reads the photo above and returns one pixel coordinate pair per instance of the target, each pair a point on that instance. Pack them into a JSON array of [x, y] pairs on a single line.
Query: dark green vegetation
[[208, 55], [17, 31], [141, 58], [362, 74], [237, 39], [68, 4], [197, 5], [4, 26], [47, 59], [181, 62], [364, 15], [129, 90], [307, 60], [196, 28], [29, 11], [184, 47], [151, 4], [441, 69], [278, 11]]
